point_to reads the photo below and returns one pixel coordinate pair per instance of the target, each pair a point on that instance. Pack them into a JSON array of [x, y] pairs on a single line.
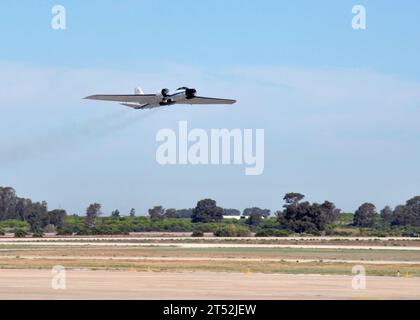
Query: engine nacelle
[[165, 92], [190, 93]]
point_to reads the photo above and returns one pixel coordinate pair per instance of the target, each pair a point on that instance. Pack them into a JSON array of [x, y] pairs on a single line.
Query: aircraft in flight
[[140, 100]]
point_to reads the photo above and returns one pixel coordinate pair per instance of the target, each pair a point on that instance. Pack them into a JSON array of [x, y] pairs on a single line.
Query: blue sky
[[340, 107]]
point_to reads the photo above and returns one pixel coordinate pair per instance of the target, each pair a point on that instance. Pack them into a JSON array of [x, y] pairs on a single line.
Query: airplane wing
[[126, 98], [204, 100]]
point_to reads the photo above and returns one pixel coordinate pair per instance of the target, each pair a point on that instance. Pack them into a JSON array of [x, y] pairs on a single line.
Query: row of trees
[[36, 214], [404, 215], [297, 215], [159, 213], [207, 211]]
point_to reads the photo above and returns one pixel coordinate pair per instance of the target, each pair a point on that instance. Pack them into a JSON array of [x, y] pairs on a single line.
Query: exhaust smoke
[[72, 136]]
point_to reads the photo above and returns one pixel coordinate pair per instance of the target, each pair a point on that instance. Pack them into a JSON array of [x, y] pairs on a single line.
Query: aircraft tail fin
[[138, 90]]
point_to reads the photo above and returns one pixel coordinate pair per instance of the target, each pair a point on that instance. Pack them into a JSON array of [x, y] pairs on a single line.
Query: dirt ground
[[207, 245], [223, 257], [127, 269], [84, 284]]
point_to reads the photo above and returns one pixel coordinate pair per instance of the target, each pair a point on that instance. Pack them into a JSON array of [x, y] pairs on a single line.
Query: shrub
[[124, 230], [206, 227], [272, 233], [102, 230], [411, 234], [14, 224], [270, 223], [2, 233], [197, 234], [38, 234], [20, 233], [232, 230]]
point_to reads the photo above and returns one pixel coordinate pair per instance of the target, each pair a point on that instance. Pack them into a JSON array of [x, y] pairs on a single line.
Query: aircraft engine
[[190, 93], [165, 92]]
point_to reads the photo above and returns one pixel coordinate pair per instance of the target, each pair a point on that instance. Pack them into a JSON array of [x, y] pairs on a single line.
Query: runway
[[84, 284]]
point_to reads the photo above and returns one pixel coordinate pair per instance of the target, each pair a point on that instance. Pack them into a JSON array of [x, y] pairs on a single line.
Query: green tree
[[365, 216], [170, 213], [387, 216], [157, 213], [22, 208], [8, 201], [293, 198], [408, 214], [231, 212], [184, 213], [263, 212], [115, 214], [255, 219], [20, 233], [57, 217], [132, 212], [37, 217], [92, 212], [304, 217], [207, 211]]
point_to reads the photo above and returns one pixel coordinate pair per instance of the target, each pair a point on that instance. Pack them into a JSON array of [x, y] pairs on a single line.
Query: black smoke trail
[[73, 135]]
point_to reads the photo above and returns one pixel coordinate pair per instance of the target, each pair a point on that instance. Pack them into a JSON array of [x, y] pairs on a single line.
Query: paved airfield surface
[[84, 284]]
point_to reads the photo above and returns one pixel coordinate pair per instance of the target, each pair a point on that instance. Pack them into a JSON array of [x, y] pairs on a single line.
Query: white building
[[234, 217]]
